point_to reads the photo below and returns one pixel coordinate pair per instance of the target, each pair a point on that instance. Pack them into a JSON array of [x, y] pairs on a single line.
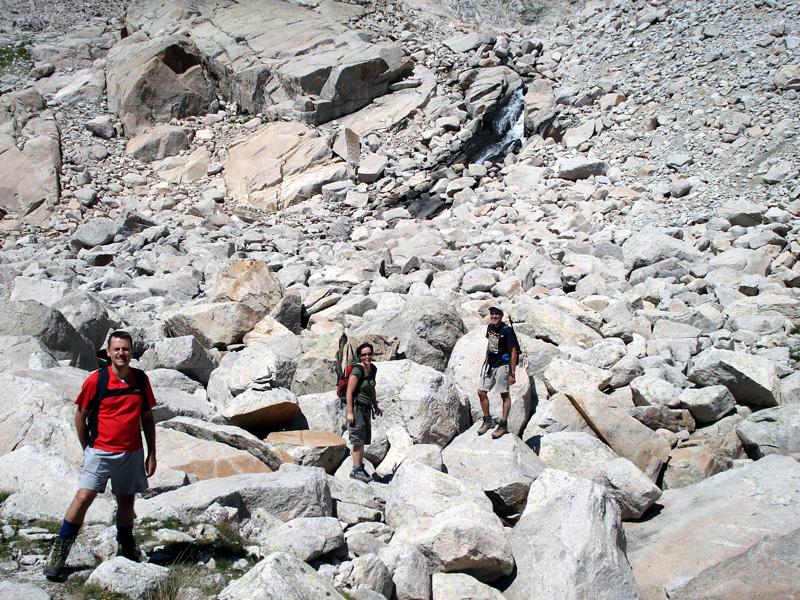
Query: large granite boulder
[[449, 520], [305, 538], [280, 576], [751, 379], [286, 494], [29, 177], [151, 81], [41, 486], [215, 325], [712, 521], [504, 469], [569, 543], [280, 165], [586, 456], [248, 281], [771, 431], [205, 459], [419, 399], [50, 328], [427, 330], [745, 575]]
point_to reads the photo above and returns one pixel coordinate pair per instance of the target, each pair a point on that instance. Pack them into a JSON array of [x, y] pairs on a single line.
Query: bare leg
[[358, 455], [506, 397], [483, 396], [80, 504]]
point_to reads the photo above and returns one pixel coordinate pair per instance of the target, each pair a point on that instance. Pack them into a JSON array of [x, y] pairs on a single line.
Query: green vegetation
[[9, 56], [4, 494], [78, 590]]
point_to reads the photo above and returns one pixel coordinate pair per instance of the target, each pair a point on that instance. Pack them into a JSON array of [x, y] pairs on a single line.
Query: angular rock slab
[[409, 570], [427, 329], [503, 468], [464, 368], [769, 569], [229, 435], [585, 456], [449, 520], [251, 282], [461, 539], [215, 325], [708, 523], [289, 493], [305, 538], [261, 412], [322, 449], [50, 327], [771, 431], [569, 543], [626, 436], [122, 576], [151, 81], [459, 586], [751, 379], [261, 168], [419, 399], [280, 576], [203, 458]]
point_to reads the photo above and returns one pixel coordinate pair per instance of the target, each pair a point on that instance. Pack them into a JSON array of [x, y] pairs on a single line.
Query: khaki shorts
[[360, 432], [124, 469], [495, 379]]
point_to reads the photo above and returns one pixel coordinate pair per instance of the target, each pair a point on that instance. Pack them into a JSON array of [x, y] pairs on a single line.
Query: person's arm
[[80, 427], [352, 384], [149, 428], [512, 373]]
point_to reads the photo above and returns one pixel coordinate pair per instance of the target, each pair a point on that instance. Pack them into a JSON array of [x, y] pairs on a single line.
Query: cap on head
[[495, 310]]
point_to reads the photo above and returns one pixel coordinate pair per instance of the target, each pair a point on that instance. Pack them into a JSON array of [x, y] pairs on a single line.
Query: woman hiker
[[361, 404]]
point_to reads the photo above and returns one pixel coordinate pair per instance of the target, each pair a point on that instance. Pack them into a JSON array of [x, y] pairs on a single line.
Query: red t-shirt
[[119, 418]]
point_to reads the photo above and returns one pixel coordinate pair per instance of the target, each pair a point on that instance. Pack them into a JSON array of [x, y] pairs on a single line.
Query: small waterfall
[[501, 133]]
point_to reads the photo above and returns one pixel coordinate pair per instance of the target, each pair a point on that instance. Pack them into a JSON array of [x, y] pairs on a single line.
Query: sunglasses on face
[[366, 354]]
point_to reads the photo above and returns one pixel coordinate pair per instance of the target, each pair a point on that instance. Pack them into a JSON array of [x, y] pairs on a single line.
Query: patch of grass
[[78, 590], [188, 575], [4, 494], [10, 55]]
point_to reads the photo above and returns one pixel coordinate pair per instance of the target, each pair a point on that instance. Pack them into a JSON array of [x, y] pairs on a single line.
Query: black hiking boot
[[487, 424], [130, 551], [54, 567], [500, 430]]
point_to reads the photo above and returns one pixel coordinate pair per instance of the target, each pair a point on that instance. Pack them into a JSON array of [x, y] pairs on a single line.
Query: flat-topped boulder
[[708, 523]]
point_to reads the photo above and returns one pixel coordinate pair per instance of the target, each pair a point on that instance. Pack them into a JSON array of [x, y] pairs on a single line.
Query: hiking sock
[[69, 531]]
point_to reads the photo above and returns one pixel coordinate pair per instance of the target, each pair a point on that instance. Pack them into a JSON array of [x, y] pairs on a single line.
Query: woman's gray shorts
[[124, 469], [360, 432], [496, 379]]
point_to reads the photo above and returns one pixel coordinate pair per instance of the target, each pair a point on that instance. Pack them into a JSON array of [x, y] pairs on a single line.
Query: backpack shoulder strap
[[93, 408], [142, 382], [101, 390]]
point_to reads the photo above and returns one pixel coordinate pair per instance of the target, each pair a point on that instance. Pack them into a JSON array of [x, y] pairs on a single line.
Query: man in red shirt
[[109, 430]]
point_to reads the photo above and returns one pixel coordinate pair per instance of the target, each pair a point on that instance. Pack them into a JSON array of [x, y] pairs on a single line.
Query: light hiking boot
[[361, 474], [500, 430], [54, 567], [487, 424]]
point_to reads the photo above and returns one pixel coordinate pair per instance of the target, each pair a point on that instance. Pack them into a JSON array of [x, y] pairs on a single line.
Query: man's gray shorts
[[496, 379], [124, 469]]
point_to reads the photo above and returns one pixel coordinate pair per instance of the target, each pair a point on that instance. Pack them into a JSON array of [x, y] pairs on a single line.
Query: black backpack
[[138, 388]]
